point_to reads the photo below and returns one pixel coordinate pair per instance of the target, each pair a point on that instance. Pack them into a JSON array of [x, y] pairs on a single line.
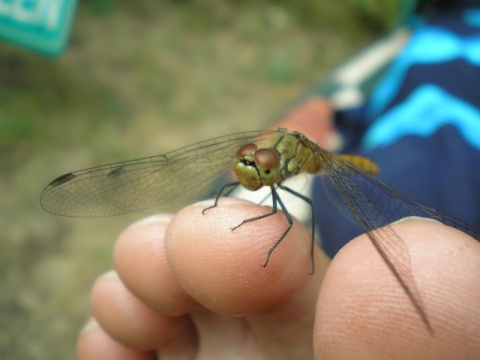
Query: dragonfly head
[[255, 168]]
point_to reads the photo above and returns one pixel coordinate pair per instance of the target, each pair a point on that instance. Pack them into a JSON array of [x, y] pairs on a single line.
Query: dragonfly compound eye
[[266, 159], [267, 165], [246, 152]]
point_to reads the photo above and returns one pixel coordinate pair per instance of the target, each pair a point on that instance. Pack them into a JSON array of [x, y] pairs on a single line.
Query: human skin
[[187, 287]]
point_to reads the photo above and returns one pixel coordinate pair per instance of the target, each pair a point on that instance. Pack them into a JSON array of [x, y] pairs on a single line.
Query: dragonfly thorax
[[255, 168]]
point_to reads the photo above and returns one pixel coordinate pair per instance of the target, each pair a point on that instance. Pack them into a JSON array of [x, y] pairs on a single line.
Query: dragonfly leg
[[225, 190], [312, 218], [277, 199], [274, 211]]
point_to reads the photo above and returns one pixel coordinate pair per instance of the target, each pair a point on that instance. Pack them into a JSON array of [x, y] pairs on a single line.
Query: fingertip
[[363, 308], [128, 320], [221, 268], [93, 343], [139, 258]]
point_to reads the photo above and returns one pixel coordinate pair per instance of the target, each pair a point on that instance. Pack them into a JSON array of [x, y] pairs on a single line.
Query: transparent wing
[[374, 205], [170, 180]]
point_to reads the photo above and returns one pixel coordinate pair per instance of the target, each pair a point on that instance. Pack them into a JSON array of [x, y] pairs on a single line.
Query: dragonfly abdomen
[[362, 163]]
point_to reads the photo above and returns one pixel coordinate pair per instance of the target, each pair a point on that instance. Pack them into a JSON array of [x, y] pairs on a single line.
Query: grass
[[139, 78]]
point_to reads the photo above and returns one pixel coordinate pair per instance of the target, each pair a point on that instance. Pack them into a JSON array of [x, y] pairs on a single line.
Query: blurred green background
[[139, 78]]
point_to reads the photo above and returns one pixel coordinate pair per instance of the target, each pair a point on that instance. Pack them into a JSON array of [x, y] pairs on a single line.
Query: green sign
[[42, 25]]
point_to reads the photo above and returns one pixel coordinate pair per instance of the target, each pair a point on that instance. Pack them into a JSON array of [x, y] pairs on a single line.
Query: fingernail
[[110, 274], [90, 326]]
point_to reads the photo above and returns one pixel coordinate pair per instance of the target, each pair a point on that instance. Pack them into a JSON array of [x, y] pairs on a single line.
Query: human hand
[[190, 288]]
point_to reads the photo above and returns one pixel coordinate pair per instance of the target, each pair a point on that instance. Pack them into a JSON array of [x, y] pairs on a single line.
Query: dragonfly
[[259, 159]]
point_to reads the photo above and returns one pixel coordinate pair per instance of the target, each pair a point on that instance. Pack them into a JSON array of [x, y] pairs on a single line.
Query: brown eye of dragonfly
[[266, 160], [246, 150]]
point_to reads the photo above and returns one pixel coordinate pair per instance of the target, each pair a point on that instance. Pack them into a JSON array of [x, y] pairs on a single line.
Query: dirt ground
[[137, 80]]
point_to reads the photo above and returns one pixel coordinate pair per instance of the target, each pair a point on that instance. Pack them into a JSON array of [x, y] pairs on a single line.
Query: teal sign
[[42, 25]]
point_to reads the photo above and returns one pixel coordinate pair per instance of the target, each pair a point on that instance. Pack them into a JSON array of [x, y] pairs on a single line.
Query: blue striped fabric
[[435, 47], [421, 125], [427, 109]]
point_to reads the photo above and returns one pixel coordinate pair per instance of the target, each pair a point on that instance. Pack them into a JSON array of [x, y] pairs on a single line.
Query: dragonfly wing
[[336, 199], [388, 204], [170, 180], [374, 205]]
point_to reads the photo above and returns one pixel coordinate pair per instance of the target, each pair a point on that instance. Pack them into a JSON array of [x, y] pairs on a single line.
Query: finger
[[363, 312], [209, 258], [130, 322], [222, 270], [96, 344], [140, 261]]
